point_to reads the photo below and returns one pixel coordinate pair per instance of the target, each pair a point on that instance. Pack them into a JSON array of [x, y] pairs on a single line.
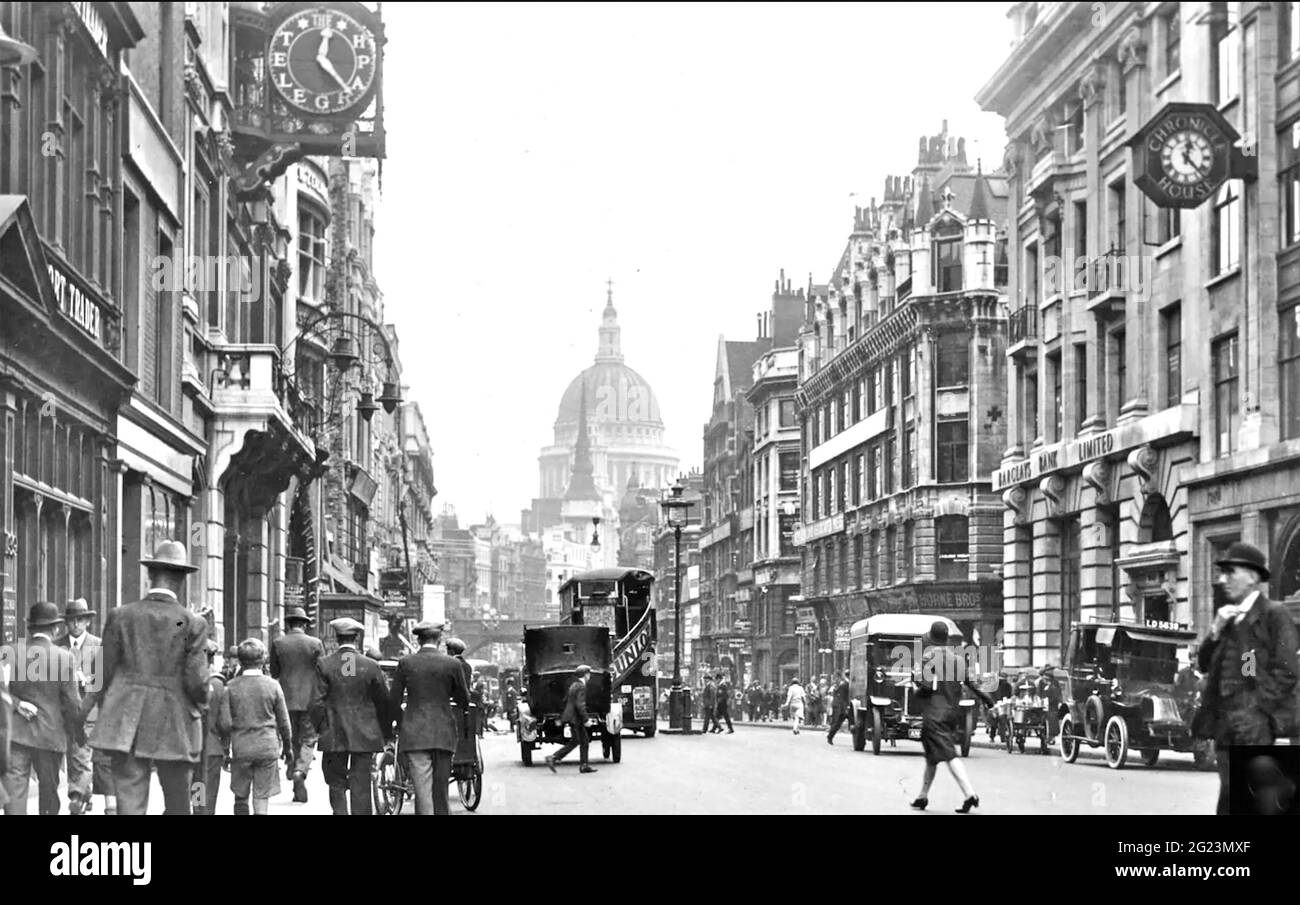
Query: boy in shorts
[[255, 717]]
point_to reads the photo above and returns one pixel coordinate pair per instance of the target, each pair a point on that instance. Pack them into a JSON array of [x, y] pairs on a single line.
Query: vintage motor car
[[882, 652], [1123, 690], [552, 655]]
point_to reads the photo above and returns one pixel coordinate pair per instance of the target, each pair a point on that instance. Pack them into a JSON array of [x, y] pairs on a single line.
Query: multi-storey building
[[417, 498], [774, 476], [901, 398], [1153, 419]]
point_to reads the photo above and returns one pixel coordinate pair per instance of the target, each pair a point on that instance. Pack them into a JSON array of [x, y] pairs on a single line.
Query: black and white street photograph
[[766, 410]]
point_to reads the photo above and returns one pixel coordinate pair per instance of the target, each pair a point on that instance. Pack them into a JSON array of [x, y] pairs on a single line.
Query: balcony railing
[[1023, 324]]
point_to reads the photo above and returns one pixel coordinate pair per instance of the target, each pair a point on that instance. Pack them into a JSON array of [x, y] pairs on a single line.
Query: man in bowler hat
[[575, 714], [87, 775], [294, 657], [1249, 662], [427, 733], [155, 688], [352, 718], [47, 710]]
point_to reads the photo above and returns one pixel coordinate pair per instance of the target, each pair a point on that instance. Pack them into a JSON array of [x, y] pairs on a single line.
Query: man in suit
[[456, 650], [352, 718], [47, 709], [155, 688], [294, 657], [575, 714], [427, 732], [85, 776], [709, 704], [841, 707], [723, 711], [1249, 661]]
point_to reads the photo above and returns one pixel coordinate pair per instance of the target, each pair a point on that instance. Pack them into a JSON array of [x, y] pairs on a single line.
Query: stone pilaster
[[1046, 605]]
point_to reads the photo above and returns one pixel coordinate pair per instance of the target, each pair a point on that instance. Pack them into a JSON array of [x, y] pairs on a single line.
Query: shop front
[[61, 386], [976, 606]]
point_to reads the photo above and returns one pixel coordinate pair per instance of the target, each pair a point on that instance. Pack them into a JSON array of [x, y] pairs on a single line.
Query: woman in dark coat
[[940, 689]]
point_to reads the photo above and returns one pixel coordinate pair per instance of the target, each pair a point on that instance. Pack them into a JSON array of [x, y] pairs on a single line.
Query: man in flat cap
[[575, 714], [47, 712], [352, 718], [294, 657], [1249, 662], [426, 732], [155, 688], [88, 775]]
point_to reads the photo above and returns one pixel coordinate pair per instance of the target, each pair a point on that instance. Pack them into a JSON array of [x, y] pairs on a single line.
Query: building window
[[873, 571], [889, 464], [1030, 403], [1288, 359], [1223, 354], [1071, 598], [1080, 385], [860, 492], [952, 445], [816, 500], [1057, 414], [844, 484], [1289, 168], [832, 498], [1121, 370], [878, 375], [1173, 41], [1080, 268], [953, 542], [952, 351], [787, 413], [1118, 204], [1226, 228], [891, 549], [1030, 283], [909, 537], [789, 462], [843, 420], [1290, 43], [873, 475], [164, 333], [947, 265], [1076, 137], [859, 578], [1226, 57], [1172, 327], [870, 389]]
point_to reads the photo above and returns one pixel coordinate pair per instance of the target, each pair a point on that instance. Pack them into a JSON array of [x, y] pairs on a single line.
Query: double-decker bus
[[619, 599]]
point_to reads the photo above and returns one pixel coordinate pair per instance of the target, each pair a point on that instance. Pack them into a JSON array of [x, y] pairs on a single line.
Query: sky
[[688, 153]]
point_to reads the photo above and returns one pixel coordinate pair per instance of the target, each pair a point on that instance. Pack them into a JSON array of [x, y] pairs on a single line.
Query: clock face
[[322, 61], [1187, 156]]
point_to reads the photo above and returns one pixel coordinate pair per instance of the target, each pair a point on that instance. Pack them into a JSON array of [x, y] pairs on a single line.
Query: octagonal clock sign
[[1184, 154]]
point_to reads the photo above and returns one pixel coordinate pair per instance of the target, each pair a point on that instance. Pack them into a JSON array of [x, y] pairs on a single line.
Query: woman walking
[[794, 699], [941, 692]]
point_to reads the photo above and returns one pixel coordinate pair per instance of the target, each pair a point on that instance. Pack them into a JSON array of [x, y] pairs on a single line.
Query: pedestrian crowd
[[148, 698]]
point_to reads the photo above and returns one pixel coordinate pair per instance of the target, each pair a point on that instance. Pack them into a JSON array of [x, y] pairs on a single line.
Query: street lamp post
[[676, 513]]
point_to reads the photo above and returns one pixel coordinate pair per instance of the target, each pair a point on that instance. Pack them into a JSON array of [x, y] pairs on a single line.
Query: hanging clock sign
[[1184, 154], [323, 59]]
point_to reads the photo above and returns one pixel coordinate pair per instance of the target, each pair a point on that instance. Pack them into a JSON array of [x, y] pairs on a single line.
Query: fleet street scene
[[436, 409]]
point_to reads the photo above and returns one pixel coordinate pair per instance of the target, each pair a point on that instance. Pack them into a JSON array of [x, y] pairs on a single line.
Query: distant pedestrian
[[155, 688], [295, 656], [47, 711], [88, 774], [709, 704], [941, 692], [255, 718], [575, 715], [841, 707], [723, 711], [216, 746], [352, 719], [1240, 706], [510, 703], [794, 700]]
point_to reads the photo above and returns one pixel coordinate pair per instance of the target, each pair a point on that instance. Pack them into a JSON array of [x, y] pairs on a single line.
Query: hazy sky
[[688, 153]]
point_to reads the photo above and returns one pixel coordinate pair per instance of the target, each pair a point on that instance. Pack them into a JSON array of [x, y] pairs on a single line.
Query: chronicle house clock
[[323, 60], [1184, 154]]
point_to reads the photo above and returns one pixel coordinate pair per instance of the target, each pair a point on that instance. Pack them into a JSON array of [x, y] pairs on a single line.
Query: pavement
[[758, 771]]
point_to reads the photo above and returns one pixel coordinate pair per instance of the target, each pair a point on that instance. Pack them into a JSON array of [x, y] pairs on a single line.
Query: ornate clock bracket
[[268, 167]]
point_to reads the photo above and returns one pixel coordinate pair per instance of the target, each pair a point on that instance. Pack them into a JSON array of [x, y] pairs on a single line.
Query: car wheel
[[877, 730], [1020, 743], [1150, 756], [1116, 742], [526, 753], [1069, 744], [650, 731], [1094, 719]]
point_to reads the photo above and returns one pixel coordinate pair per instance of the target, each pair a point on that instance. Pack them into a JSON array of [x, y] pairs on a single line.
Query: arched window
[[952, 538], [1155, 524]]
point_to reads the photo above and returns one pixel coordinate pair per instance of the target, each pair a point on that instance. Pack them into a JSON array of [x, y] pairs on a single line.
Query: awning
[[344, 580]]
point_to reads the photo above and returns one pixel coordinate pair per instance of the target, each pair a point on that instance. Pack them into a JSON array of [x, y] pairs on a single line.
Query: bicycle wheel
[[470, 790], [389, 785]]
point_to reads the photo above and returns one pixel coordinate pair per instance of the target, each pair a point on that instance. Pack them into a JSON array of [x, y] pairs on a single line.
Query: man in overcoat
[[155, 688], [427, 732], [352, 719], [1249, 662], [575, 714], [841, 707], [87, 775], [294, 657], [709, 704], [46, 712]]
